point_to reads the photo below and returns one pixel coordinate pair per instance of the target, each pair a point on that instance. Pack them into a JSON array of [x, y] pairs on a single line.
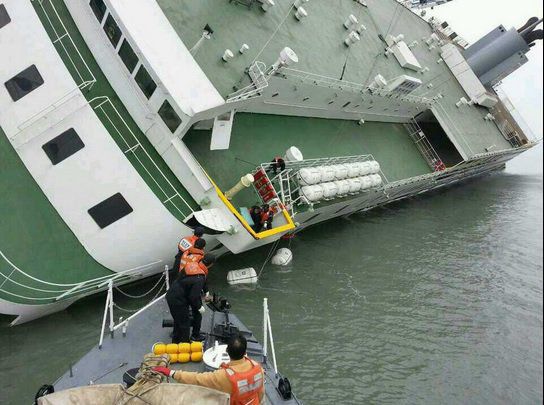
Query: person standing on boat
[[267, 216], [277, 164], [186, 294], [255, 213], [242, 378], [187, 242], [193, 254]]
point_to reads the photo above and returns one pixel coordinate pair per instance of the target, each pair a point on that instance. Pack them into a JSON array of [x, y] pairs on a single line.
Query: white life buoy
[[282, 257]]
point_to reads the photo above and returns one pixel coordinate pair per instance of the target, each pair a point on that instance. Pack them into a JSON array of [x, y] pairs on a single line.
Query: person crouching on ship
[[186, 294], [242, 377], [193, 254], [187, 242], [267, 216], [277, 164]]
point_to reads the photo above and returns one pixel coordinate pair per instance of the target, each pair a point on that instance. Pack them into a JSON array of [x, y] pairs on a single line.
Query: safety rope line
[[143, 295], [268, 257], [136, 310]]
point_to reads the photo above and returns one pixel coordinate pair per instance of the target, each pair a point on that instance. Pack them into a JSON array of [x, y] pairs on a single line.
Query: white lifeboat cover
[[215, 219], [327, 173]]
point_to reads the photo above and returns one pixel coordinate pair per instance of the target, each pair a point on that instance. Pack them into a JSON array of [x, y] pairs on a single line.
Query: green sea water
[[436, 299]]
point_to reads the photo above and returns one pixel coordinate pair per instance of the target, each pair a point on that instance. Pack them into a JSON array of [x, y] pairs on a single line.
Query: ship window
[[169, 116], [99, 9], [128, 56], [112, 31], [4, 16], [146, 83], [23, 83], [63, 146], [110, 210]]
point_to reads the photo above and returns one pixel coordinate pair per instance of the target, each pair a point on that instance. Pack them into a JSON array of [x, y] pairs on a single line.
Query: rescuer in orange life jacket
[[242, 378], [193, 254], [186, 293], [267, 216], [187, 242]]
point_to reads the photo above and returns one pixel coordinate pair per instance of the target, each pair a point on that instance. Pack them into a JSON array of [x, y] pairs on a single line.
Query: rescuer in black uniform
[[186, 292]]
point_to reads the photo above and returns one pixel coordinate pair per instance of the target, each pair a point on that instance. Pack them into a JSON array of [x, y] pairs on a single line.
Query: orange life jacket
[[246, 386], [195, 269], [190, 255], [265, 215], [187, 242]]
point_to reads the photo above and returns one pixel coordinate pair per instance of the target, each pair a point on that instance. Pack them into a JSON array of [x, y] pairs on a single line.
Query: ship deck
[[318, 42], [257, 138]]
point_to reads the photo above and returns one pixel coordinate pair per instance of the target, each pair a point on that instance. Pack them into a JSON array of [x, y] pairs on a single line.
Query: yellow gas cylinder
[[173, 358], [196, 347], [159, 348], [172, 348], [196, 356], [184, 357], [184, 348]]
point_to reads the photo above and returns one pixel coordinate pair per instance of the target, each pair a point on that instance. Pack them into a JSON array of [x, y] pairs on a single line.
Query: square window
[[99, 9], [24, 83], [169, 116], [110, 210], [128, 56], [145, 82], [63, 146], [112, 31], [4, 16]]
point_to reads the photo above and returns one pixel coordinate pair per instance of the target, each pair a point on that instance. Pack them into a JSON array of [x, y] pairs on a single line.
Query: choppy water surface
[[434, 300]]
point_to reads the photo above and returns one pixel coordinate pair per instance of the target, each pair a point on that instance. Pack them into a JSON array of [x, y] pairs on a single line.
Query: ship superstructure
[[124, 123]]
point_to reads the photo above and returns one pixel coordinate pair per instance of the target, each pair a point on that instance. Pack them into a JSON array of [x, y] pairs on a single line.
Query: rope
[[136, 310], [268, 257], [143, 295]]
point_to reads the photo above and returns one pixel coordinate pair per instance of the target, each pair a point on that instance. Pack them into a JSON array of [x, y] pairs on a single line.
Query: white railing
[[342, 85], [259, 82], [133, 145], [63, 291], [422, 143], [62, 38], [267, 333], [123, 324]]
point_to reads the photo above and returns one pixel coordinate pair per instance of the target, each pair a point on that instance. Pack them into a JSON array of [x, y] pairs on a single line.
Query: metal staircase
[[422, 143]]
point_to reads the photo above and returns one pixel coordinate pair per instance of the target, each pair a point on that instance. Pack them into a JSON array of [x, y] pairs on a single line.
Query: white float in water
[[282, 257], [242, 276]]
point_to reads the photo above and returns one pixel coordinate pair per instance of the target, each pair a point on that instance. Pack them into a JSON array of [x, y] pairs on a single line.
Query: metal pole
[[167, 277], [265, 328], [272, 342], [110, 292], [104, 321], [126, 321]]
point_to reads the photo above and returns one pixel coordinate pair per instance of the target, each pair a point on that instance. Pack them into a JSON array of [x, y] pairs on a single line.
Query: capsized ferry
[[126, 123]]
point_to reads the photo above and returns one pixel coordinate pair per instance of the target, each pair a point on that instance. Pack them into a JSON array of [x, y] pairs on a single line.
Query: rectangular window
[[110, 210], [63, 146], [169, 116], [128, 56], [99, 9], [145, 82], [112, 31], [4, 16], [23, 83]]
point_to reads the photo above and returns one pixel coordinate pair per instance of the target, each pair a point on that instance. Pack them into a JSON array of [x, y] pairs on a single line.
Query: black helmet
[[208, 259], [200, 243], [199, 231]]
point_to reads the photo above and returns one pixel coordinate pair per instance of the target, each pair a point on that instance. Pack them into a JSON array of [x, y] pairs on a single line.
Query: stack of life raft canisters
[[180, 353]]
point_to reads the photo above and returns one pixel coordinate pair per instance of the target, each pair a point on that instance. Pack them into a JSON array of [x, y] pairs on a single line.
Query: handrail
[[259, 82], [132, 148], [59, 37]]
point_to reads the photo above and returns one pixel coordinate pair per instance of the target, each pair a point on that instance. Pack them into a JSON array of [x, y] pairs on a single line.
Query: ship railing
[[259, 82], [48, 292], [510, 122], [343, 85], [132, 145], [123, 324], [65, 44]]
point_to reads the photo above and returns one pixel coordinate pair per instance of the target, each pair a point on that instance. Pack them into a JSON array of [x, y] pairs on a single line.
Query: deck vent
[[352, 38], [378, 83], [287, 57], [267, 4], [351, 22], [404, 85], [228, 54], [301, 14], [244, 48]]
